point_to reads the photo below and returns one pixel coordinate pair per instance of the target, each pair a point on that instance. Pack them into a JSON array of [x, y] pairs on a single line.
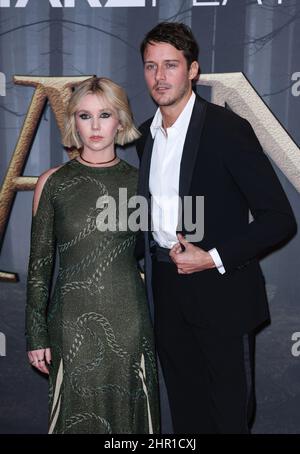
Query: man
[[209, 294]]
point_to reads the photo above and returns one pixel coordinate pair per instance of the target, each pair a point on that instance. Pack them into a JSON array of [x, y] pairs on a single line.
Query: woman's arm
[[40, 270]]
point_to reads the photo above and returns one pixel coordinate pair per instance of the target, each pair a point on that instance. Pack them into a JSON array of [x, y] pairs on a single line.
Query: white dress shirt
[[164, 178]]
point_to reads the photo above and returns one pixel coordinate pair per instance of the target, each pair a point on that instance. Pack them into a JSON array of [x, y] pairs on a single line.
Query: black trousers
[[209, 377]]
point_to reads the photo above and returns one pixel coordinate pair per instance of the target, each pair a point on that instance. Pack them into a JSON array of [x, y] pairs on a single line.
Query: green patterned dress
[[103, 373]]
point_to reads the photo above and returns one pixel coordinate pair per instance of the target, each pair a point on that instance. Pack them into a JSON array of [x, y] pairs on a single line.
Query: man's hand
[[192, 259]]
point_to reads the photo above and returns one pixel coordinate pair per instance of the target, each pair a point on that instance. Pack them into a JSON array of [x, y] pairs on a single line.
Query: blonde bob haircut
[[116, 98]]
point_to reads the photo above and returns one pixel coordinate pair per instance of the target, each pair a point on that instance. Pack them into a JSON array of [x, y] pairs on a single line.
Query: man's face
[[166, 73]]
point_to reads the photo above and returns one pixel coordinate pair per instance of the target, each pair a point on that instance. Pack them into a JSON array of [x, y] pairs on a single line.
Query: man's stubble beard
[[176, 99]]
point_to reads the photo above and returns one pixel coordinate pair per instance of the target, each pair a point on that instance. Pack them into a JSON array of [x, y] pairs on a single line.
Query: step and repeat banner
[[250, 62]]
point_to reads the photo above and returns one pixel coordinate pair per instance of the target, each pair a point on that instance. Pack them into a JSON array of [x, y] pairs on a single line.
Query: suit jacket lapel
[[191, 146]]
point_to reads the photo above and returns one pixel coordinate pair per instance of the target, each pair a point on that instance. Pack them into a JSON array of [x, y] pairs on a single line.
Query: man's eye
[[105, 115], [170, 65], [84, 116], [149, 67]]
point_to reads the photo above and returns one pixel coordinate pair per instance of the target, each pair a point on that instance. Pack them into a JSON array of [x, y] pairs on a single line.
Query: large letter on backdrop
[[57, 91], [235, 91]]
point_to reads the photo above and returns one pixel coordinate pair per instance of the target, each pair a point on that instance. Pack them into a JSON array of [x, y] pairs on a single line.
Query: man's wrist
[[210, 262], [217, 259]]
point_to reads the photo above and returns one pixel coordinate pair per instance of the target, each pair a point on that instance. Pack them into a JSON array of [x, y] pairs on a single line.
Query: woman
[[95, 339]]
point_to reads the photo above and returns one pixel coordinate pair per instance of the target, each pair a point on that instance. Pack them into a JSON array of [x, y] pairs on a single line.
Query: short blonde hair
[[117, 99]]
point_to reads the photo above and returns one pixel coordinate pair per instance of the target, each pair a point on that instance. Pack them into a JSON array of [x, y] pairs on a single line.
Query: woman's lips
[[96, 138]]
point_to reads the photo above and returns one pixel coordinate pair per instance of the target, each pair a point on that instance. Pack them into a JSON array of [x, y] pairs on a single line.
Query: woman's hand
[[40, 359]]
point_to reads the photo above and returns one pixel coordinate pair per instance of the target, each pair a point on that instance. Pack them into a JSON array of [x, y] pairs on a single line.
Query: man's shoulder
[[224, 115], [144, 128]]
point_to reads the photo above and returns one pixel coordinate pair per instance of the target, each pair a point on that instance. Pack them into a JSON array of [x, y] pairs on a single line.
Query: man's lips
[[161, 89]]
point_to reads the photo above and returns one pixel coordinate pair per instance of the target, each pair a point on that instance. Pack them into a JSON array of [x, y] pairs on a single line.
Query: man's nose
[[160, 73]]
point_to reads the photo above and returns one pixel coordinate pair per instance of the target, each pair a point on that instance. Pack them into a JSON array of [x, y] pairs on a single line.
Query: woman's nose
[[95, 123]]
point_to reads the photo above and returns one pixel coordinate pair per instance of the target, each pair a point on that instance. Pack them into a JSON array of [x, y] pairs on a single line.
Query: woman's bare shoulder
[[40, 185]]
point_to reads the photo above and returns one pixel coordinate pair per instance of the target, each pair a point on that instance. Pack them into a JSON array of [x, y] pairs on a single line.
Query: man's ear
[[193, 71]]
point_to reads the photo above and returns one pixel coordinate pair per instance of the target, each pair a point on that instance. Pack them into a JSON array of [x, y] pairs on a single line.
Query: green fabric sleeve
[[40, 271]]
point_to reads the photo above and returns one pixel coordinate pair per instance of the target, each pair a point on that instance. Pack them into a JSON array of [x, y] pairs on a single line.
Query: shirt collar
[[181, 122]]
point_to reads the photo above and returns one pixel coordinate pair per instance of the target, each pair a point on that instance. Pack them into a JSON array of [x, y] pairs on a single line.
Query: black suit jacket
[[223, 161]]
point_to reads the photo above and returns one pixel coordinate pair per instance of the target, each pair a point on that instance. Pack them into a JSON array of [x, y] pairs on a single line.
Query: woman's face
[[97, 124]]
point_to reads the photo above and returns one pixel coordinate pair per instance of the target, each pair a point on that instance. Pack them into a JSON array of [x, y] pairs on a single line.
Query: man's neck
[[171, 113]]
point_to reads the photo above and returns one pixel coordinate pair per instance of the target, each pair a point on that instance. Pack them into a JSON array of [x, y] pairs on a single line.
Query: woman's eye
[[84, 116], [105, 115]]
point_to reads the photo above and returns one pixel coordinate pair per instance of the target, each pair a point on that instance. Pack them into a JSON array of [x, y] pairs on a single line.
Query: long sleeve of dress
[[40, 271]]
